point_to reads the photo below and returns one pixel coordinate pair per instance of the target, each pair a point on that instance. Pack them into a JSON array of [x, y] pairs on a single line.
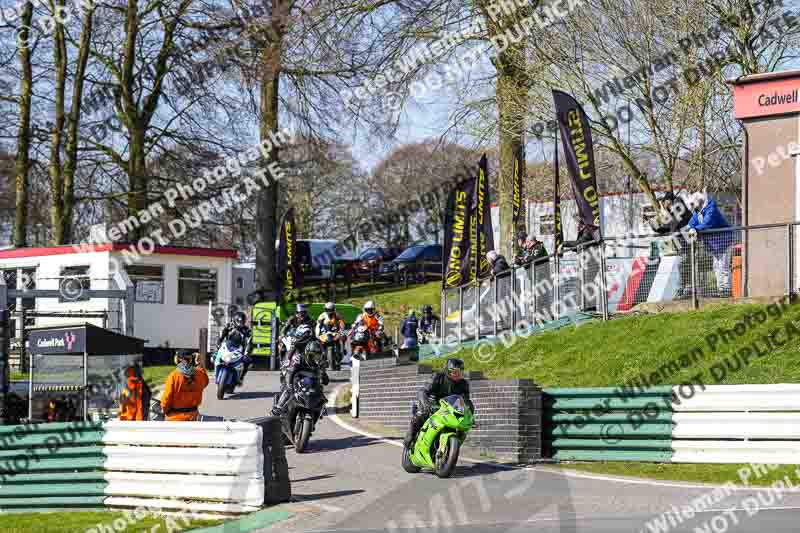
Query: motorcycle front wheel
[[408, 466], [446, 462], [301, 437], [223, 378]]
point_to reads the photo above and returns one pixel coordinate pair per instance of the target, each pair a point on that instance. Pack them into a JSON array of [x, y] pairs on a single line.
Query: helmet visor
[[456, 374]]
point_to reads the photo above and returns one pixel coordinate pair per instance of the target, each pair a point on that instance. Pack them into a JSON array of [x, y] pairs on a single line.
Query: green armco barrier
[[52, 466], [38, 490], [56, 477], [613, 455], [602, 403], [52, 503], [608, 424], [617, 392], [614, 417], [627, 444], [56, 438], [627, 429]]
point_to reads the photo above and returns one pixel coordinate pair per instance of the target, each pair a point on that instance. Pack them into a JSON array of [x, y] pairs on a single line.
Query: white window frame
[[135, 277], [181, 278]]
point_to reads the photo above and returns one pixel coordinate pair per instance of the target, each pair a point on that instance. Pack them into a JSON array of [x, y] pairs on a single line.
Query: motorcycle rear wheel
[[408, 466], [302, 437], [446, 463]]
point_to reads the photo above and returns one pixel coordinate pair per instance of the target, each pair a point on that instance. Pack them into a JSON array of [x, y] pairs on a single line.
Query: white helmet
[[369, 307], [330, 307]]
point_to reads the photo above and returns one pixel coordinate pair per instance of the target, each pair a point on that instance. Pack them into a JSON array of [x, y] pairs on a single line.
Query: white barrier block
[[716, 398], [208, 434], [732, 452], [186, 460], [736, 426], [158, 504], [234, 489]]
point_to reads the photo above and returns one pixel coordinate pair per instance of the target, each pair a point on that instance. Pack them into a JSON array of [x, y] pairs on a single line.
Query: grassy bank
[[600, 354], [395, 305]]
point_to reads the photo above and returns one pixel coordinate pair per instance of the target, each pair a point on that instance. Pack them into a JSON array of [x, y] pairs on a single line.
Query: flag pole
[[556, 228]]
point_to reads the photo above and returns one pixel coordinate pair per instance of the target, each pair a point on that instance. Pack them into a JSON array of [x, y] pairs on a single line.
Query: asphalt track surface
[[347, 482]]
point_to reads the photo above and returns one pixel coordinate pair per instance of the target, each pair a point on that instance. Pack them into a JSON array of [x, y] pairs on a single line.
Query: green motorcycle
[[439, 440]]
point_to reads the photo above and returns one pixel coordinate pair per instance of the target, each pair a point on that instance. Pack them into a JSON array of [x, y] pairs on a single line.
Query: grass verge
[[699, 473], [70, 522], [155, 376]]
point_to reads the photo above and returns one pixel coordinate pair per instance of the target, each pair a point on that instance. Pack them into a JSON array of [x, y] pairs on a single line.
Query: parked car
[[430, 254], [372, 258]]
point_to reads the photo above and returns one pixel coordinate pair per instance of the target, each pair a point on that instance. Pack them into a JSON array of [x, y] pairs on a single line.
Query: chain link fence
[[618, 274]]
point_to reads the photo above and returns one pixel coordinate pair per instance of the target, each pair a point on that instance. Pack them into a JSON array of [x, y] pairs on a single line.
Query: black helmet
[[234, 341], [240, 319], [427, 309], [454, 369], [303, 333], [313, 352]]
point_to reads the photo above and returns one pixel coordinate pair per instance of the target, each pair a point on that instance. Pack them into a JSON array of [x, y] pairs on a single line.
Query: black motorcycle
[[305, 408]]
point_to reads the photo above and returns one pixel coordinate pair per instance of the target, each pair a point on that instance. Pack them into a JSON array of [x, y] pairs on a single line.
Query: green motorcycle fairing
[[452, 417]]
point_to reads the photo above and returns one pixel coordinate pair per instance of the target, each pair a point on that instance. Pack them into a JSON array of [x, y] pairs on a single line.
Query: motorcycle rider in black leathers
[[239, 324], [429, 322], [300, 317], [443, 384], [297, 361]]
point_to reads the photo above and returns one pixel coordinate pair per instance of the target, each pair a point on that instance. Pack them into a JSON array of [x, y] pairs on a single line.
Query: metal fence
[[616, 275]]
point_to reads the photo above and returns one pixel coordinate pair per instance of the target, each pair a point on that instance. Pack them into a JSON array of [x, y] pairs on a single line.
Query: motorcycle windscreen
[[457, 403]]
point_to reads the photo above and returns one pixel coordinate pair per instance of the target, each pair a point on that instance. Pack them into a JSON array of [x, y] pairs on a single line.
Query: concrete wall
[[508, 412]]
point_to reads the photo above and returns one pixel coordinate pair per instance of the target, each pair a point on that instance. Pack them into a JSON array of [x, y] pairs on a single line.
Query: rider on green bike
[[449, 381]]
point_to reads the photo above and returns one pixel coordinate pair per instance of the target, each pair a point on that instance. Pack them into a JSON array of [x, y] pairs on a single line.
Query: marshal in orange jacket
[[135, 399], [182, 397]]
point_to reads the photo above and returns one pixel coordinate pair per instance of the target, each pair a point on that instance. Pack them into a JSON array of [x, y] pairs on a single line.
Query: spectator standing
[[497, 262], [674, 216], [707, 216]]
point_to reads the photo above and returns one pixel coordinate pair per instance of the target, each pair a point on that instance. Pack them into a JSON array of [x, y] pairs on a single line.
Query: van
[[315, 257]]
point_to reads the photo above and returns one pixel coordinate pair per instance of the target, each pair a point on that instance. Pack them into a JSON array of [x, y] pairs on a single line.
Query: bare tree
[[24, 132], [62, 176]]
